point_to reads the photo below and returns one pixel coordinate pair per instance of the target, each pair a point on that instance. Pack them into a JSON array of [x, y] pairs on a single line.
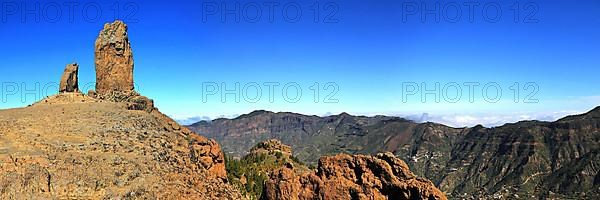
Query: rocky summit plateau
[[113, 143]]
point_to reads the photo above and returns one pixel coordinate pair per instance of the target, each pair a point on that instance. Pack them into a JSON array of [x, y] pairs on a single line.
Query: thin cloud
[[488, 119]]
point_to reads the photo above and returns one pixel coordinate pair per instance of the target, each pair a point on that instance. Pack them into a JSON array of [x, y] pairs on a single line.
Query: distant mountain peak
[[255, 113], [595, 111], [592, 114], [344, 114]]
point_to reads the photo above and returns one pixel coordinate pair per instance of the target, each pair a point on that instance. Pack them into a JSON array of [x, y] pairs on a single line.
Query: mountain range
[[531, 159]]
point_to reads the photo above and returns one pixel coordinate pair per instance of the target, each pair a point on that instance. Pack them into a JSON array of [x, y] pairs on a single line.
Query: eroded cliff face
[[382, 176], [528, 159]]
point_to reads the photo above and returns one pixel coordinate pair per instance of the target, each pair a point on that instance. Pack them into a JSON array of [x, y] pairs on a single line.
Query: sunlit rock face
[[114, 59]]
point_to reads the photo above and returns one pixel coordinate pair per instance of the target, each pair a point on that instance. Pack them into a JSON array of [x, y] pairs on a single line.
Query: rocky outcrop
[[250, 172], [113, 59], [134, 100], [69, 80], [271, 146], [352, 177], [114, 69], [205, 153], [140, 103]]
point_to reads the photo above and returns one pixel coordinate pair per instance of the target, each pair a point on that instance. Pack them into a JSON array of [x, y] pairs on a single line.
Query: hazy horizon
[[452, 120]]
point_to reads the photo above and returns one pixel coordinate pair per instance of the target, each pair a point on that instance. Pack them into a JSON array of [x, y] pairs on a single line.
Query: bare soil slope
[[71, 146]]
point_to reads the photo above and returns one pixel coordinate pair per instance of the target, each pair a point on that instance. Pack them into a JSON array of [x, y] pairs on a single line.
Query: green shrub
[[278, 154]]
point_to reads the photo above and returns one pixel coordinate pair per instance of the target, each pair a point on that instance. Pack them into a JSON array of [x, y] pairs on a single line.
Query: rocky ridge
[[343, 176]]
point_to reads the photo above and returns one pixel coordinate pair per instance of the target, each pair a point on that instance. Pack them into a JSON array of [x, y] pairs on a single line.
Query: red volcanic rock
[[352, 177]]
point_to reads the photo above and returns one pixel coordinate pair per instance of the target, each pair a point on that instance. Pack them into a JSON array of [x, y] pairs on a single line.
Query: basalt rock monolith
[[113, 59], [69, 82]]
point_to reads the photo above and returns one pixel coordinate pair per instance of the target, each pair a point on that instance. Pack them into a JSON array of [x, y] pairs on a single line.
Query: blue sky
[[367, 53]]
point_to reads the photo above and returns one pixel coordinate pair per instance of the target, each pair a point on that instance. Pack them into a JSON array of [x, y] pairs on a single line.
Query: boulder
[[92, 94], [113, 59], [140, 103], [69, 81]]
